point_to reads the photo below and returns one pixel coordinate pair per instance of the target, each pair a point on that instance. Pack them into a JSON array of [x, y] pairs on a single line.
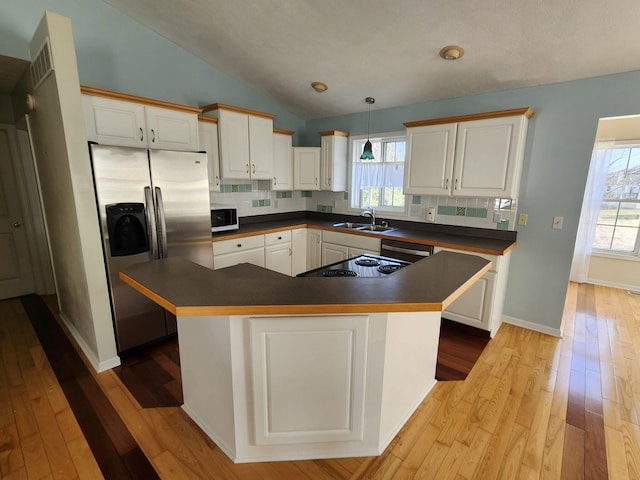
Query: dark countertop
[[478, 240], [187, 289]]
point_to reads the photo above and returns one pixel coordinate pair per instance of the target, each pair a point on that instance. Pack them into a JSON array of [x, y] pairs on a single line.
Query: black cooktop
[[362, 266]]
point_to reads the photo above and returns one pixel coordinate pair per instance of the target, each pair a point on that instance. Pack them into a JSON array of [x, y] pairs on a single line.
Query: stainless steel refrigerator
[[153, 204]]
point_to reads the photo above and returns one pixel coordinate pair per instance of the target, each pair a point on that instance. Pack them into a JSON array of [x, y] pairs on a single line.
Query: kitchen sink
[[375, 228], [350, 225], [367, 227]]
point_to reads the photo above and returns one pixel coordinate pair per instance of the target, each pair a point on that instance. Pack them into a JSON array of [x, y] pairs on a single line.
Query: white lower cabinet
[[277, 251], [314, 248], [298, 251], [338, 246], [240, 250], [482, 304], [332, 253]]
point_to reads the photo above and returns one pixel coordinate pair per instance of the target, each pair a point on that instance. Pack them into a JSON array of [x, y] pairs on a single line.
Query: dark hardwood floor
[[459, 348]]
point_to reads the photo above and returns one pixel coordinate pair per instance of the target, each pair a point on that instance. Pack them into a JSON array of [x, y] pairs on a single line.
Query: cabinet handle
[[279, 238], [253, 165], [239, 245], [274, 180], [141, 134], [446, 184], [247, 168], [217, 180], [153, 136], [290, 252], [455, 186], [316, 180]]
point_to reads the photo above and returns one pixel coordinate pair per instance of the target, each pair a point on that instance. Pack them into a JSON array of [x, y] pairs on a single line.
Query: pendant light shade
[[367, 153]]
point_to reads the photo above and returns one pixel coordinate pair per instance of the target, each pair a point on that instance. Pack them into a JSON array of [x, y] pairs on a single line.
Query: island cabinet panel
[[308, 378], [296, 387]]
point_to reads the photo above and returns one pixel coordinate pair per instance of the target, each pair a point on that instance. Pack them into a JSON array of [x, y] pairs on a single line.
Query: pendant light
[[367, 154]]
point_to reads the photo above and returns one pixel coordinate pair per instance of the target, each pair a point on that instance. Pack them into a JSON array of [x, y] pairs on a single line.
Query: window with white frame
[[378, 183], [618, 224]]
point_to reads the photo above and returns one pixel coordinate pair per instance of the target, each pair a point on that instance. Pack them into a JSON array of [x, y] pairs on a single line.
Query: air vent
[[42, 66]]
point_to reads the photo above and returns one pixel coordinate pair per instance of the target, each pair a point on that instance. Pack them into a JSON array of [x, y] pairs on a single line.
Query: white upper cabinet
[[133, 124], [208, 142], [306, 168], [246, 142], [477, 155], [282, 160], [429, 163], [333, 162]]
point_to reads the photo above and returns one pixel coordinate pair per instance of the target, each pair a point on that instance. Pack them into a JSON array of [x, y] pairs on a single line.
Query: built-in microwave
[[223, 218]]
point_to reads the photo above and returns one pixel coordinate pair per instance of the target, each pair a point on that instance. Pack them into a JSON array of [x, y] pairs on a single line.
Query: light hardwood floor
[[533, 407]]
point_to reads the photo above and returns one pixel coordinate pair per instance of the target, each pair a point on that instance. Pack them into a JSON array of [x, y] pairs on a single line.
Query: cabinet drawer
[[277, 237], [238, 244]]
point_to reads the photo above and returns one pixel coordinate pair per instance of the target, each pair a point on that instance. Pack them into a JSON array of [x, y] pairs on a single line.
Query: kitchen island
[[282, 368]]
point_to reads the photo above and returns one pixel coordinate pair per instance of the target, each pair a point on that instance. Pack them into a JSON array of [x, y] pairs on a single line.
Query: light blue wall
[[558, 152], [117, 53]]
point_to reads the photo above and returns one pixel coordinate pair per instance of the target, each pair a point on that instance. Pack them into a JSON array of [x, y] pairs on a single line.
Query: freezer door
[[181, 188], [121, 175]]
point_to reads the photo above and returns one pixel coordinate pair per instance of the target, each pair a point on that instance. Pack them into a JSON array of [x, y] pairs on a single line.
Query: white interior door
[[16, 277]]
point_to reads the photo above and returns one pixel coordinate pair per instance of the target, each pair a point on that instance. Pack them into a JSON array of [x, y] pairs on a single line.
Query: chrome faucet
[[370, 212]]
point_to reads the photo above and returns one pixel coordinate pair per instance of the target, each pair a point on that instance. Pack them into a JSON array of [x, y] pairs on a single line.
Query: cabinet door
[[333, 163], [261, 147], [208, 140], [314, 249], [306, 168], [282, 162], [254, 256], [429, 163], [332, 253], [233, 136], [356, 252], [278, 258], [171, 130], [298, 251], [488, 157], [114, 122], [473, 307]]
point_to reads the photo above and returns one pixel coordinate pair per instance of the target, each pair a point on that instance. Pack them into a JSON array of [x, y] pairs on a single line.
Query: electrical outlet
[[522, 219], [431, 214], [497, 217], [557, 222]]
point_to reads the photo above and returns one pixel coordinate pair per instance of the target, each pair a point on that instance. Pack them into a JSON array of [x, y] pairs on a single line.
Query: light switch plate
[[522, 219], [557, 223]]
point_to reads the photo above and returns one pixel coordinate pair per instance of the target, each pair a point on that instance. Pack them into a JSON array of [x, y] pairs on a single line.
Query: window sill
[[632, 257]]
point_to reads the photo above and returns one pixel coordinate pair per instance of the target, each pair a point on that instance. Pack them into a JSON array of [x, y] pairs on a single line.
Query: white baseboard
[[621, 286], [97, 365], [536, 327]]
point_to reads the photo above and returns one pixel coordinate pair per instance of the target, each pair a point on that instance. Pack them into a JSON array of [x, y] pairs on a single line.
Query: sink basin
[[375, 228], [350, 225]]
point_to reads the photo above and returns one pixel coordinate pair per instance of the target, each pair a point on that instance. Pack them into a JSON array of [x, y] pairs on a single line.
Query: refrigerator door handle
[[162, 225], [152, 233]]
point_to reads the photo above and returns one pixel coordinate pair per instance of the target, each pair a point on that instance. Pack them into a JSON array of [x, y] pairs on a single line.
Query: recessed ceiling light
[[452, 52], [319, 87]]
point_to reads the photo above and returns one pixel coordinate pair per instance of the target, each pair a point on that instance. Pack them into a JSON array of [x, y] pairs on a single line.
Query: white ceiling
[[388, 49]]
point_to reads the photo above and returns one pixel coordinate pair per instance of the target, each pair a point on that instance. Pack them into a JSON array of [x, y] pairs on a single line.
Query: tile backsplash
[[253, 198]]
